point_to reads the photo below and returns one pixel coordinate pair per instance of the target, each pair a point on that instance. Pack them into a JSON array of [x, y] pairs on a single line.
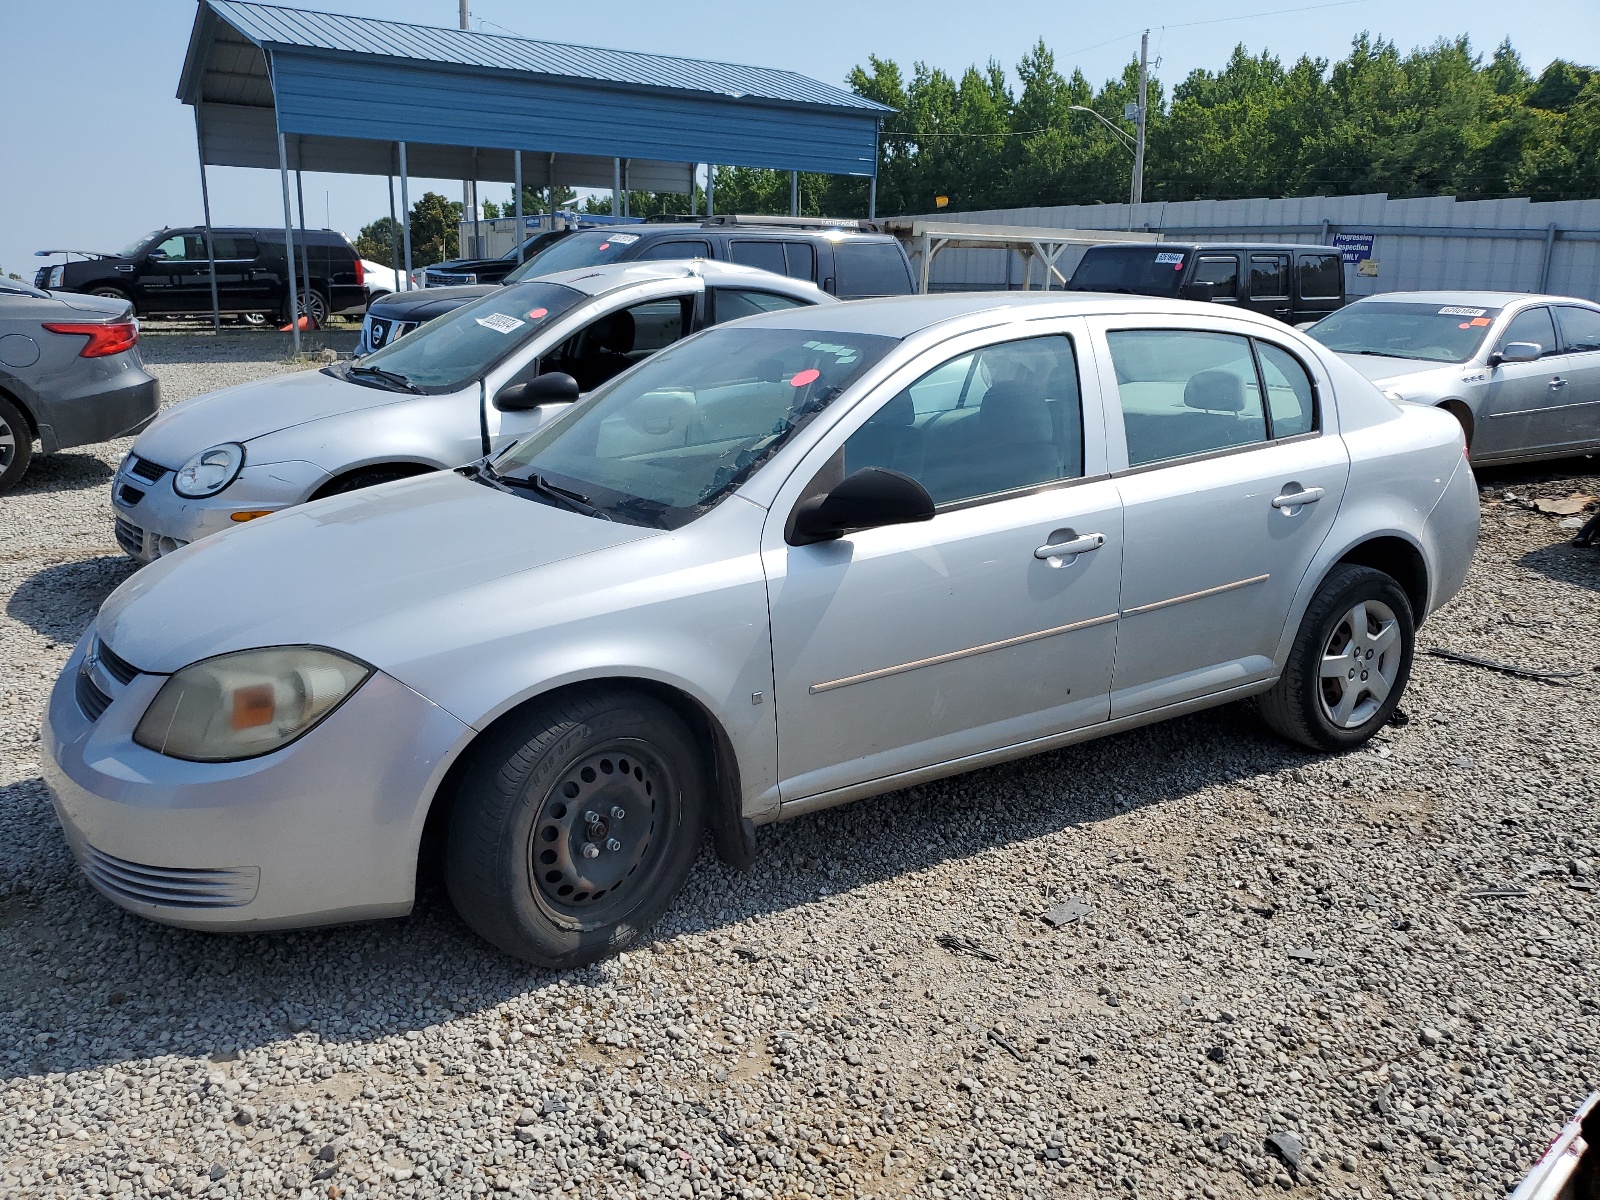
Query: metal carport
[[292, 89]]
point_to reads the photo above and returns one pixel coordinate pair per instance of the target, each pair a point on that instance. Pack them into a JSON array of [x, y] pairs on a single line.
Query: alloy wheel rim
[[596, 829], [311, 305], [1360, 663], [8, 443]]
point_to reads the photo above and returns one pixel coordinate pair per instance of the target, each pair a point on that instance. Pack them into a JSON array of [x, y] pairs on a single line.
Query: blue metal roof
[[269, 26]]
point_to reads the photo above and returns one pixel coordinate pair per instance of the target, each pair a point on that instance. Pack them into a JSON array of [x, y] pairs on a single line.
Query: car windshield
[[672, 437], [1145, 270], [537, 244], [1447, 333], [586, 248], [139, 243], [458, 347]]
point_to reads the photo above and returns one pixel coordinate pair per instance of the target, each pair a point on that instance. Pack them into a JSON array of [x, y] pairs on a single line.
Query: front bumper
[[152, 519], [324, 830], [378, 332]]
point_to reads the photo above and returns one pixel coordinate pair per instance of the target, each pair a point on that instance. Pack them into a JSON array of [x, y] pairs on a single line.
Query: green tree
[[375, 243], [435, 228]]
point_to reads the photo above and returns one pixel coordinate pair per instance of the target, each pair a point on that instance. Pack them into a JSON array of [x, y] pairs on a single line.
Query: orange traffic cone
[[306, 325]]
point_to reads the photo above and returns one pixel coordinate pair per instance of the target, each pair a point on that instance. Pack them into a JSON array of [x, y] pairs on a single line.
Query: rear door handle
[[1078, 545], [1295, 499]]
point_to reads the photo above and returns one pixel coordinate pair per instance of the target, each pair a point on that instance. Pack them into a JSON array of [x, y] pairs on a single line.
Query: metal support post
[[694, 169], [405, 210], [711, 190], [288, 241], [1544, 261], [516, 183], [305, 262], [872, 198], [794, 193], [205, 207], [550, 177], [394, 237], [1144, 95], [616, 187], [627, 187]]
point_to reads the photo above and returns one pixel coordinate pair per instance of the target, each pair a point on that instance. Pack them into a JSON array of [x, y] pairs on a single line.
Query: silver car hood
[[253, 410], [1383, 370], [310, 574]]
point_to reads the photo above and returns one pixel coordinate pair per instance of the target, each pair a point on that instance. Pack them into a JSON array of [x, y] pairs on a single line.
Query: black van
[[1293, 283], [849, 259], [167, 274]]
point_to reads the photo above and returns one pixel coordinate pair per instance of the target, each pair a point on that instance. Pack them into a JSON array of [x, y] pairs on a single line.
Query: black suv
[[166, 274], [850, 259], [1293, 283]]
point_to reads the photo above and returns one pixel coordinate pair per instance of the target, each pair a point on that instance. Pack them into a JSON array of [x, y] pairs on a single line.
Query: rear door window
[[870, 269], [801, 260], [766, 255], [683, 248], [1185, 392], [1321, 277], [1269, 277], [1580, 329], [1222, 272], [1291, 400]]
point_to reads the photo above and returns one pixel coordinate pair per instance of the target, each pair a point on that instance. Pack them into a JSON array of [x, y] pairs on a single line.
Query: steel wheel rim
[[598, 832], [1360, 663]]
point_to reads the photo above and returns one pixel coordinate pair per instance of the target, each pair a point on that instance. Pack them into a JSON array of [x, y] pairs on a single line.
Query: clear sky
[[95, 149]]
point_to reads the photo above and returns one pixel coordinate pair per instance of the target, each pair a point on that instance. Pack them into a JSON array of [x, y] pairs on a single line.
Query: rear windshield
[[870, 269], [1448, 333], [586, 248], [1145, 270], [449, 351]]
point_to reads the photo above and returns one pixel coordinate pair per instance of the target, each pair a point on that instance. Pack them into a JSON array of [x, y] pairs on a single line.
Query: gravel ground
[[1267, 945]]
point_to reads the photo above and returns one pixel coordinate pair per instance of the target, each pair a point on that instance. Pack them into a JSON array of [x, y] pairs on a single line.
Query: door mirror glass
[[157, 256], [551, 388], [871, 497], [1201, 290], [1520, 352]]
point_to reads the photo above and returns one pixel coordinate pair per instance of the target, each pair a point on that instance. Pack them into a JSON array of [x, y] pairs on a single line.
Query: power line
[[1276, 12]]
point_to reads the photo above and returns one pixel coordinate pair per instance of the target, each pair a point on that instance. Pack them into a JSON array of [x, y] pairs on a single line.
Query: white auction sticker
[[623, 239], [500, 323], [1167, 256], [1453, 311]]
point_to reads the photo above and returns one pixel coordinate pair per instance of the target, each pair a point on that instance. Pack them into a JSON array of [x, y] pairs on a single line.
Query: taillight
[[361, 272], [111, 337]]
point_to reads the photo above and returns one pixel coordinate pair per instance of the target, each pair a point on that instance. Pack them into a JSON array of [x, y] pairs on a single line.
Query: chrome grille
[[145, 469], [171, 887], [130, 537], [91, 699], [448, 279]]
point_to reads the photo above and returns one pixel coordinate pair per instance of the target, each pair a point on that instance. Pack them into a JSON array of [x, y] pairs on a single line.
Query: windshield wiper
[[396, 381], [1394, 354], [574, 501]]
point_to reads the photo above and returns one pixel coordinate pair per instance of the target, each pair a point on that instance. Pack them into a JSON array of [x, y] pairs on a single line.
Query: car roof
[[1203, 246], [608, 277], [1479, 299], [902, 316], [743, 228]]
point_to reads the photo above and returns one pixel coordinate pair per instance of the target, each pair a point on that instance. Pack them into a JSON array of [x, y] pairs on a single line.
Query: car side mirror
[[157, 256], [870, 497], [552, 388], [1202, 291], [1516, 352]]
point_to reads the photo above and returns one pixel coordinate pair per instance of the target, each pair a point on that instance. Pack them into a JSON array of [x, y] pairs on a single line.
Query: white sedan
[[807, 557], [462, 386]]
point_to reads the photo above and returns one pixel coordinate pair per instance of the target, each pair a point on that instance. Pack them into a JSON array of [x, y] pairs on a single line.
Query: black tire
[[114, 293], [371, 477], [514, 861], [16, 443], [315, 300], [1305, 705]]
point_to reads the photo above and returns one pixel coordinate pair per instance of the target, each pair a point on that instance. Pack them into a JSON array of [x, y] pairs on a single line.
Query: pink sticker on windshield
[[536, 313], [605, 245], [810, 375]]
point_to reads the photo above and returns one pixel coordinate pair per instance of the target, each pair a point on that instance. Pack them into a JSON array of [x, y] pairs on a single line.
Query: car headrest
[[898, 412], [615, 332], [1215, 391], [1062, 384], [661, 413], [1015, 412]]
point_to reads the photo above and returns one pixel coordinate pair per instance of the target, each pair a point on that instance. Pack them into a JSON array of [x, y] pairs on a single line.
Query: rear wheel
[[312, 304], [573, 830], [16, 443], [1349, 665]]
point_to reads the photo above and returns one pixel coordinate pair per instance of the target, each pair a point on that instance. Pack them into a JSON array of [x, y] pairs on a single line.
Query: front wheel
[[573, 829], [1349, 663]]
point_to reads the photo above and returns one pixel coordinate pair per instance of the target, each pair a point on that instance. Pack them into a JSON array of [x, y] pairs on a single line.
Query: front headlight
[[208, 472], [248, 703]]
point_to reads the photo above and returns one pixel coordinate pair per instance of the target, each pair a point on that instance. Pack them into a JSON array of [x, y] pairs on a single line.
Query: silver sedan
[[462, 386], [811, 556], [1521, 373]]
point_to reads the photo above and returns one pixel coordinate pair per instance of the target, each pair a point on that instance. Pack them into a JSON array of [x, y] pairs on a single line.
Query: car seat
[[890, 438]]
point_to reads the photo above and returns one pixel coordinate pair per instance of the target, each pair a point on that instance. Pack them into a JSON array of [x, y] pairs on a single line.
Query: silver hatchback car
[[807, 557], [1521, 373], [462, 386]]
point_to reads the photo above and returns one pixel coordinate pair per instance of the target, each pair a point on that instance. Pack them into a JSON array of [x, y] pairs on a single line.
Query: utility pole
[[1144, 95], [469, 189]]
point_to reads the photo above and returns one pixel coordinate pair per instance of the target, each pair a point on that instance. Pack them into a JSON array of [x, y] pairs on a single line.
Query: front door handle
[[1295, 499], [1557, 383], [1078, 545]]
